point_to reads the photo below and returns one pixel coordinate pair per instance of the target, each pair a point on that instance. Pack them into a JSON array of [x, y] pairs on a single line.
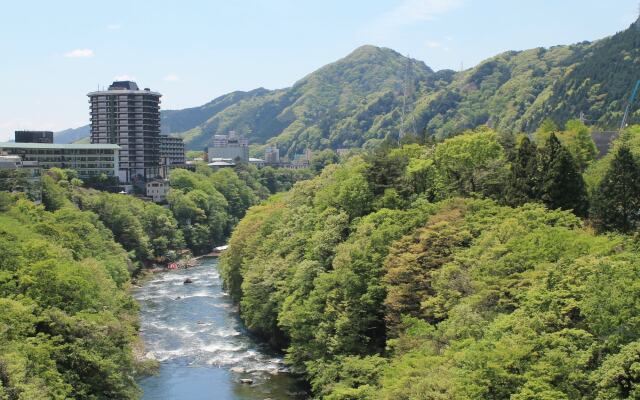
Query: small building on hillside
[[21, 176], [157, 190], [258, 162]]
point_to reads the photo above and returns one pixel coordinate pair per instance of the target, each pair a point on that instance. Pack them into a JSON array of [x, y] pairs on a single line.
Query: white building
[[87, 160], [158, 189], [229, 147]]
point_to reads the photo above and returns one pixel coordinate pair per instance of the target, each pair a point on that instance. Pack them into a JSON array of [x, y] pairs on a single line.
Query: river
[[204, 351]]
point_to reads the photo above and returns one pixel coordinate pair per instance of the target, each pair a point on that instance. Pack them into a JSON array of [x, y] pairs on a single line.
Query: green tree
[[577, 138], [522, 186], [616, 202], [321, 159], [472, 163], [561, 184]]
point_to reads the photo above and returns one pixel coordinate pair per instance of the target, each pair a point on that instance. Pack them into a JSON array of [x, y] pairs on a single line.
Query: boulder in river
[[238, 370], [247, 381], [188, 280]]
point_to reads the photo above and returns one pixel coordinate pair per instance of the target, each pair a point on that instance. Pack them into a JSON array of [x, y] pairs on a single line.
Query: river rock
[[238, 370], [246, 381], [188, 280]]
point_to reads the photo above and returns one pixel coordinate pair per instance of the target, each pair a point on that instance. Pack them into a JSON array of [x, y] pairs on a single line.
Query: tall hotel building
[[129, 117]]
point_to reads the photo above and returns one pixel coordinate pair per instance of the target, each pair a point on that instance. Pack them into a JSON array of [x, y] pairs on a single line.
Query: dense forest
[[483, 266], [68, 327]]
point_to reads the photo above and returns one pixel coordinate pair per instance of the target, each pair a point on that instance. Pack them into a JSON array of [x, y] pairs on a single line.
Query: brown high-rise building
[[129, 117]]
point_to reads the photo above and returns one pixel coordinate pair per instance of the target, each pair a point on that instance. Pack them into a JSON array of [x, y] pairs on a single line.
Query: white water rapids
[[204, 351]]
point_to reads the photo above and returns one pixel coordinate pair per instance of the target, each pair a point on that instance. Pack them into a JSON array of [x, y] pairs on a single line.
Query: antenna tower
[[407, 92]]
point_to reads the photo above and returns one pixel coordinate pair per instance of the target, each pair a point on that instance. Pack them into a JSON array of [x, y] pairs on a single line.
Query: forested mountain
[[182, 120], [359, 100], [340, 105], [72, 134]]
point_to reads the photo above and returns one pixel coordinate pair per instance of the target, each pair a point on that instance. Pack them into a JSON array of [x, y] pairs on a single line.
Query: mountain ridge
[[375, 93]]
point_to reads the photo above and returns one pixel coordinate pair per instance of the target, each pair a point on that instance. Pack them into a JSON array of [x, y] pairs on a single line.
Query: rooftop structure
[[221, 162], [34, 137], [129, 117]]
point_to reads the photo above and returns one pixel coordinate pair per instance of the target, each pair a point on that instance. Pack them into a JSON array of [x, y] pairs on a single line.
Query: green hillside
[[359, 100], [471, 268], [343, 104]]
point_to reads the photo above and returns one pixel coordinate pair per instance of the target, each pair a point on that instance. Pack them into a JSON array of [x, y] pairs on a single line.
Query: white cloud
[[432, 44], [171, 78], [409, 12], [114, 27], [124, 77], [79, 53]]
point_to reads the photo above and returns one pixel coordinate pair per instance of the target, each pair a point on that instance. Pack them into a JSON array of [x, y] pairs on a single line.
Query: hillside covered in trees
[[483, 266]]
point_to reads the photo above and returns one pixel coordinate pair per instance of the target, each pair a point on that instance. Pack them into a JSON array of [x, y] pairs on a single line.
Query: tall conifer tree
[[561, 184], [522, 186], [616, 202]]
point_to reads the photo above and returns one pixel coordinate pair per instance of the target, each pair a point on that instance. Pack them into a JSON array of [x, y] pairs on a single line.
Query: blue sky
[[54, 52]]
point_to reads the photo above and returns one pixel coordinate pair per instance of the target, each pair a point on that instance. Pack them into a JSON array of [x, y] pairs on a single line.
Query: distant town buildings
[[34, 137], [172, 154], [271, 154], [172, 148], [230, 147], [302, 160], [87, 159], [31, 168], [128, 117]]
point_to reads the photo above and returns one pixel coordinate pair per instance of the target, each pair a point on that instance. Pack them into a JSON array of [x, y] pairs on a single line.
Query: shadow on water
[[204, 351]]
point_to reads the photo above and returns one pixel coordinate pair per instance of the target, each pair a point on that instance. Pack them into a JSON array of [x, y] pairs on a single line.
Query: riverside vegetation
[[484, 266], [68, 327], [481, 266]]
